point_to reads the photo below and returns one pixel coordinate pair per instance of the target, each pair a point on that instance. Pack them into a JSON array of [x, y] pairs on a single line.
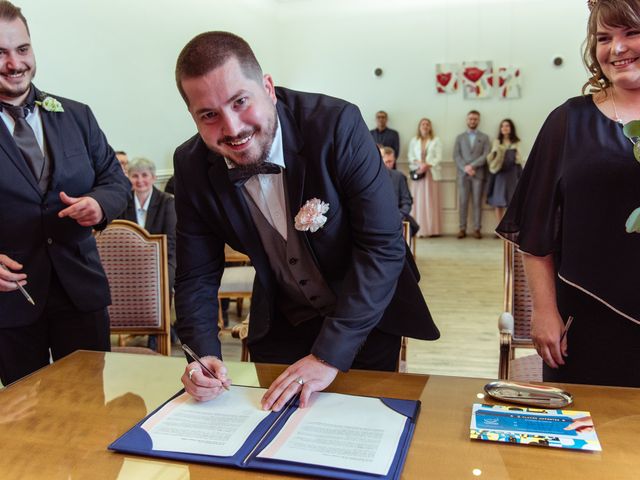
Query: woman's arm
[[546, 323]]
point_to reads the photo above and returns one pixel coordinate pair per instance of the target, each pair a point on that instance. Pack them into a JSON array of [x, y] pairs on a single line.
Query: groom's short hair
[[9, 12], [210, 50]]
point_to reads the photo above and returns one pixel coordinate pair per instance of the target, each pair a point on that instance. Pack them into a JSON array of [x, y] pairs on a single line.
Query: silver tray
[[527, 394]]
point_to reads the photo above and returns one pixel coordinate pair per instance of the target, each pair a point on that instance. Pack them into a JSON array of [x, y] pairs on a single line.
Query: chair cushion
[[237, 279]]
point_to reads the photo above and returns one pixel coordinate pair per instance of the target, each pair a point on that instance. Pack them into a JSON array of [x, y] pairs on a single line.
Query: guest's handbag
[[415, 175]]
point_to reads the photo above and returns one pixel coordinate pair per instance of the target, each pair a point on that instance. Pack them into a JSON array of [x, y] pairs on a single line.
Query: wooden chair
[[411, 240], [515, 322], [236, 284], [404, 341], [136, 265]]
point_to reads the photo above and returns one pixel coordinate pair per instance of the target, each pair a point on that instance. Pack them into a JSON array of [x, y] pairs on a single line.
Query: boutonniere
[[50, 104], [311, 215]]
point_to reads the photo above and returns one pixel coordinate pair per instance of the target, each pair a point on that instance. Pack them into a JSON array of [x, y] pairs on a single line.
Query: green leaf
[[632, 129], [633, 222]]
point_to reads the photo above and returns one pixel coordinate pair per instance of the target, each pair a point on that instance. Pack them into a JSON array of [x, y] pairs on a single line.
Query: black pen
[[193, 355], [20, 287]]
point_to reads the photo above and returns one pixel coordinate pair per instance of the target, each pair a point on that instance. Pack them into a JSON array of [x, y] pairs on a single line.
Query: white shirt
[[33, 119], [267, 190], [141, 210]]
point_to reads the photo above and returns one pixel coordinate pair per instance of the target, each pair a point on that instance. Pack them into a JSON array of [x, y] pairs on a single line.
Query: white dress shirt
[[267, 190], [141, 210]]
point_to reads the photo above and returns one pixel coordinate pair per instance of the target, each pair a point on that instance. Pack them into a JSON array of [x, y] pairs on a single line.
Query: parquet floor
[[462, 283]]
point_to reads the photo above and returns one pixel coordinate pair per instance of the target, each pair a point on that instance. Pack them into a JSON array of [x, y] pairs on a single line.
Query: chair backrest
[[136, 265], [406, 234], [517, 296]]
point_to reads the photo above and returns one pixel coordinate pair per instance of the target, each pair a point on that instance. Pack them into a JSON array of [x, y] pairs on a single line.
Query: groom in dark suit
[[295, 181], [58, 178]]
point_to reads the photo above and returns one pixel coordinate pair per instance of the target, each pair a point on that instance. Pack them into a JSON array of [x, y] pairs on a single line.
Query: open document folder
[[336, 436]]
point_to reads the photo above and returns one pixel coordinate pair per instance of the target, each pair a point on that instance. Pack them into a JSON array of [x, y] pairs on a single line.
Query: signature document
[[218, 427], [340, 431]]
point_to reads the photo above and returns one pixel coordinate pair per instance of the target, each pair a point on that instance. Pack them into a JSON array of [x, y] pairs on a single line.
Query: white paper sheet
[[217, 427], [341, 431]]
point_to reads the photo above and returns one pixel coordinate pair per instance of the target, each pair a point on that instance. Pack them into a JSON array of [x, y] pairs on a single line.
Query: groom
[[58, 179], [295, 181]]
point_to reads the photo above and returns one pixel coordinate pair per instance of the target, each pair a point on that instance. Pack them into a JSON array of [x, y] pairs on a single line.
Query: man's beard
[[18, 92], [269, 133]]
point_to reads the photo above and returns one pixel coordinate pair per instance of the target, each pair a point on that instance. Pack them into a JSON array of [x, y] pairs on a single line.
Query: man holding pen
[[58, 179]]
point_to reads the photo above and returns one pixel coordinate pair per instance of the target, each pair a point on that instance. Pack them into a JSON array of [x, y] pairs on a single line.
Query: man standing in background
[[59, 179], [470, 154], [386, 136]]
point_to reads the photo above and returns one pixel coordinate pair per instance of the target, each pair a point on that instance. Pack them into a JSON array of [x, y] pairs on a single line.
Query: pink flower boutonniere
[[311, 215]]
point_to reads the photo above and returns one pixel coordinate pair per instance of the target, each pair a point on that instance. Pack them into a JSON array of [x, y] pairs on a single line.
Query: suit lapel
[[53, 142], [295, 163], [8, 144], [152, 213]]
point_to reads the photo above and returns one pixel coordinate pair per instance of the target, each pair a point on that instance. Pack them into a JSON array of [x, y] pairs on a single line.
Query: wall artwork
[[477, 79], [447, 77], [509, 82]]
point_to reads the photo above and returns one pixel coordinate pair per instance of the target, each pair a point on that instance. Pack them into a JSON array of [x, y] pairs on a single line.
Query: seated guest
[[123, 159], [152, 209], [400, 187], [170, 186]]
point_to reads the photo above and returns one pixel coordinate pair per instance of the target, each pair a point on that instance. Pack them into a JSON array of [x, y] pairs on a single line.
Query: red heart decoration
[[443, 78], [473, 74]]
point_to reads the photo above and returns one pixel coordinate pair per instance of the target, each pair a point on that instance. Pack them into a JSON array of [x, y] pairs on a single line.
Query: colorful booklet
[[534, 426], [336, 436]]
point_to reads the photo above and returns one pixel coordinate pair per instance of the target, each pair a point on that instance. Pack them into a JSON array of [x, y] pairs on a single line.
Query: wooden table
[[57, 423]]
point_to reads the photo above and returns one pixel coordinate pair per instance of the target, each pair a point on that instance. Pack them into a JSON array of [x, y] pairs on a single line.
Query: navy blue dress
[[579, 185]]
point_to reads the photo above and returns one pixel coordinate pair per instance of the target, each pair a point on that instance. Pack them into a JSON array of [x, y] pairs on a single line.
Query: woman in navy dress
[[580, 185]]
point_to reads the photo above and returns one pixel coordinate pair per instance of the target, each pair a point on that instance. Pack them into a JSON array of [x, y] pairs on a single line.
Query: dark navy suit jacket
[[30, 231], [329, 155]]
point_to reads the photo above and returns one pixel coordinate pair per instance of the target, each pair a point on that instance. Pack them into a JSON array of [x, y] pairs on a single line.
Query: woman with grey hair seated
[[152, 209]]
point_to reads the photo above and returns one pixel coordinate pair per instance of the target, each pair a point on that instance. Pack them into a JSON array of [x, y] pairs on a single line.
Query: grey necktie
[[26, 140]]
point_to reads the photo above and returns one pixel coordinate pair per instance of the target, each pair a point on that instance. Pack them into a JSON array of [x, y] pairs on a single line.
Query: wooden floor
[[462, 283]]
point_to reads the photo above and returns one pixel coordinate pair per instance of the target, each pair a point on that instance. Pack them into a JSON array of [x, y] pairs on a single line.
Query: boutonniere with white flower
[[311, 215], [50, 104]]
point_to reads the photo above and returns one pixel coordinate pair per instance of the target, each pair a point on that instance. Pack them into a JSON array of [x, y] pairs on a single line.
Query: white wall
[[118, 56]]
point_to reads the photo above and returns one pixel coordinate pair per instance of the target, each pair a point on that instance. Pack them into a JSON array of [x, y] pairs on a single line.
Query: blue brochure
[[570, 429]]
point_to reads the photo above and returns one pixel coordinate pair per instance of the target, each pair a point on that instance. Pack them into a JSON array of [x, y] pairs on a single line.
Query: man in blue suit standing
[[295, 181], [58, 179]]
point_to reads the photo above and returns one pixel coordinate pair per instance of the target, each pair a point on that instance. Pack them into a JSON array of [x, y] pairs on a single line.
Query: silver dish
[[527, 394]]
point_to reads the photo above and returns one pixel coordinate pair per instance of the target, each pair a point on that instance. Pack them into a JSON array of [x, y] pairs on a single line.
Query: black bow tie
[[240, 175]]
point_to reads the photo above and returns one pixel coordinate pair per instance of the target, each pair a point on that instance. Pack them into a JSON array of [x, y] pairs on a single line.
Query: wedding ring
[[300, 381], [191, 372]]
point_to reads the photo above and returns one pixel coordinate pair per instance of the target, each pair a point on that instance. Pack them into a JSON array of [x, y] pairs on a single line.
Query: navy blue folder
[[136, 441]]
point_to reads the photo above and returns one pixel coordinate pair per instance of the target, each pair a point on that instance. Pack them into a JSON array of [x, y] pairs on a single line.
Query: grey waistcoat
[[302, 292]]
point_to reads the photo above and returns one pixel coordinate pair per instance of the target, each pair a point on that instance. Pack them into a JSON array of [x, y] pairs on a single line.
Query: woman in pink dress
[[425, 157]]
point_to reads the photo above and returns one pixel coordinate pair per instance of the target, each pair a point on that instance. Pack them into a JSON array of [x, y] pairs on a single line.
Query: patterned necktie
[[26, 140], [240, 175]]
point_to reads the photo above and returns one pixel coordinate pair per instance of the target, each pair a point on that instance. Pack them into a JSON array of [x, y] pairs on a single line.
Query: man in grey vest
[[295, 181]]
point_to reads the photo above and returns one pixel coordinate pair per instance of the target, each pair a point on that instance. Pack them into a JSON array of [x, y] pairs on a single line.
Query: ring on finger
[[299, 381], [192, 371]]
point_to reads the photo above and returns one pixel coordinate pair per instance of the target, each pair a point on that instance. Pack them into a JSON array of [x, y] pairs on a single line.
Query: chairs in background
[[515, 322], [404, 341], [135, 262]]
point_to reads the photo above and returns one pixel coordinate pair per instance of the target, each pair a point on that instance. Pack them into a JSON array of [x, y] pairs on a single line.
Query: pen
[[20, 287], [193, 355], [566, 328]]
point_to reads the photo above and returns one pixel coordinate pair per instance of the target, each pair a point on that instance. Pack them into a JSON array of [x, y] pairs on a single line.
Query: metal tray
[[527, 394]]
